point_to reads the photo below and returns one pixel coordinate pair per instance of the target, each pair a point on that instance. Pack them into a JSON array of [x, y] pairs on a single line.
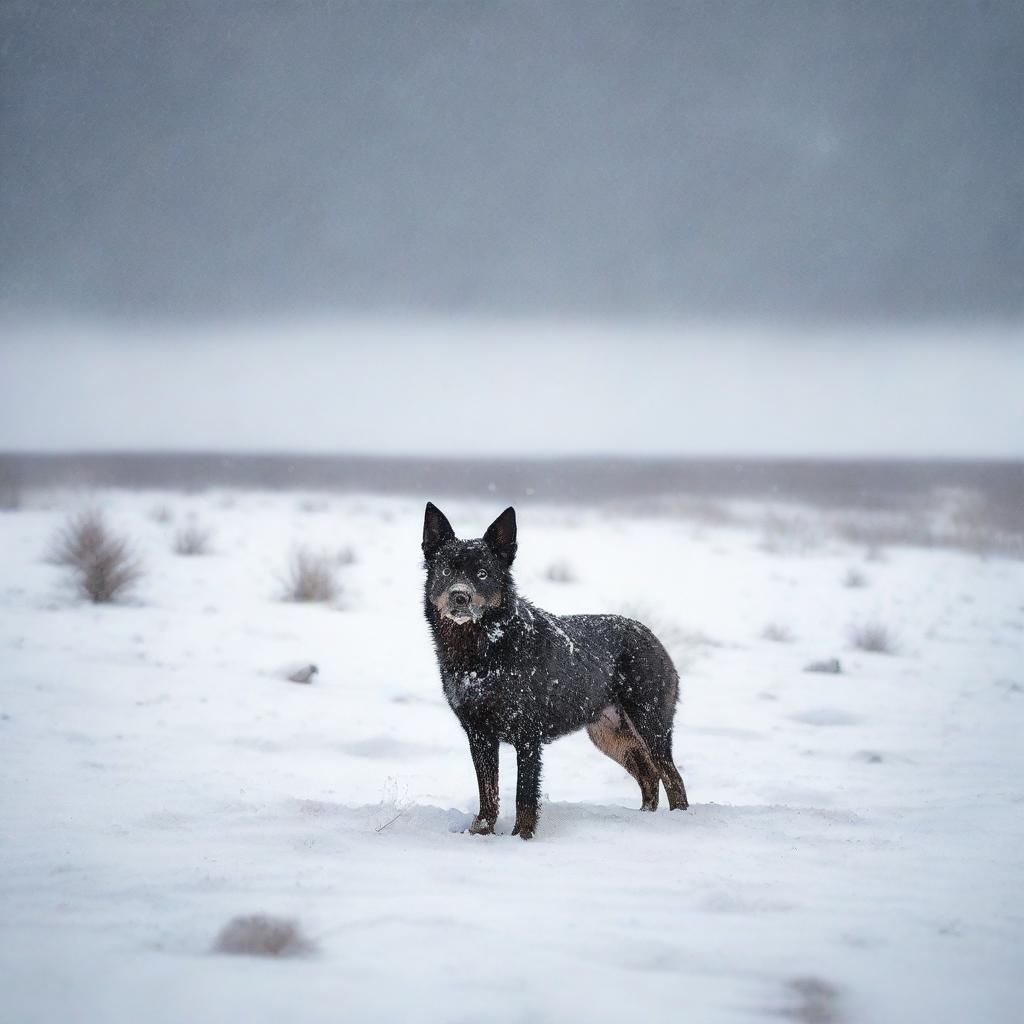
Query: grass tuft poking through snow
[[263, 935], [873, 637], [311, 577], [162, 514], [815, 1002], [192, 540], [777, 633], [104, 565], [854, 579]]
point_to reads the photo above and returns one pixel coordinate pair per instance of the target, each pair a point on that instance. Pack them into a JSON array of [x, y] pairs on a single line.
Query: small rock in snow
[[262, 935], [830, 666], [303, 673]]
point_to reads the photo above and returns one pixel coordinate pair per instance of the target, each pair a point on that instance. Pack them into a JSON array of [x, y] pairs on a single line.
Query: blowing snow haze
[[772, 161]]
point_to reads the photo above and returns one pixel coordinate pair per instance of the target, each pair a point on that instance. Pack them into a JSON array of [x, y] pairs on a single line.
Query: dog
[[513, 673]]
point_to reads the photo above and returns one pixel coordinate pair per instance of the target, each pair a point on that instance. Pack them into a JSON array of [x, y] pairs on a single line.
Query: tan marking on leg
[[613, 736]]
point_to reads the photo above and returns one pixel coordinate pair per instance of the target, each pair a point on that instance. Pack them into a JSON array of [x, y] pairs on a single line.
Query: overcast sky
[[792, 159], [469, 388]]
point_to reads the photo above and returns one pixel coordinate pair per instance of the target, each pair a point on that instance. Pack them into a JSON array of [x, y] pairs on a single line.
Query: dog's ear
[[436, 529], [501, 536]]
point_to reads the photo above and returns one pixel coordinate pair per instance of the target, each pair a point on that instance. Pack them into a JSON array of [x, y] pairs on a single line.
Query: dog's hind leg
[[673, 780], [613, 736], [657, 736]]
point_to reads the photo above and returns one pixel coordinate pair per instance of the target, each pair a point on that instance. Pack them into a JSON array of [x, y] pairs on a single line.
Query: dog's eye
[[481, 574], [446, 571]]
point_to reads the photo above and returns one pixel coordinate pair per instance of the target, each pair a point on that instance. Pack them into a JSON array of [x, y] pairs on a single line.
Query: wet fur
[[517, 674]]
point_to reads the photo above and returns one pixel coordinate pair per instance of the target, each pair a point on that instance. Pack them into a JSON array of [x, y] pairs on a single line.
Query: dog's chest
[[498, 695]]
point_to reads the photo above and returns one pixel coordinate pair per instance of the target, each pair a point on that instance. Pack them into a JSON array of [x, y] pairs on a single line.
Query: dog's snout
[[459, 598]]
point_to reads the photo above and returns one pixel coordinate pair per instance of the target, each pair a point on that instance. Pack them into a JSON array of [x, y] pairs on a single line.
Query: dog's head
[[466, 578]]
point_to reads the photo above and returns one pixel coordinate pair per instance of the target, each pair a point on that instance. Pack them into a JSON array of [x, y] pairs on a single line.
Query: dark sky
[[771, 161]]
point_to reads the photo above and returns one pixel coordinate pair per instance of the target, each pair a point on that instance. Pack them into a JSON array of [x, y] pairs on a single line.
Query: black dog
[[516, 674]]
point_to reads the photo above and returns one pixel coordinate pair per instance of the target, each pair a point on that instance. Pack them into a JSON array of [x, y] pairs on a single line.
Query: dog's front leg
[[528, 763], [484, 750]]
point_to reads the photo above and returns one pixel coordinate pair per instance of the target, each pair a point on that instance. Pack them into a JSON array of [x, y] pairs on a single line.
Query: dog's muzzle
[[460, 602]]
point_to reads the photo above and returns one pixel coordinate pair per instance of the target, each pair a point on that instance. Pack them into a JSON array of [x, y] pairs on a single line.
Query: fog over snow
[[465, 387]]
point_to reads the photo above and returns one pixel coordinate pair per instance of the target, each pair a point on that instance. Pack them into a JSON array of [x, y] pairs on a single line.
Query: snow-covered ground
[[852, 852]]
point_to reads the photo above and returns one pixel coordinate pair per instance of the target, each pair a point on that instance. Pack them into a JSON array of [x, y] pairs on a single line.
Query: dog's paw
[[481, 827], [526, 823]]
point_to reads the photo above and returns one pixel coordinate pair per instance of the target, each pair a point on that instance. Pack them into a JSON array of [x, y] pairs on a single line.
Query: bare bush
[[889, 529], [874, 637], [311, 577], [790, 534], [702, 511], [854, 579], [192, 540], [263, 935], [346, 556], [104, 565], [162, 514], [777, 633], [814, 1002], [560, 572], [959, 519]]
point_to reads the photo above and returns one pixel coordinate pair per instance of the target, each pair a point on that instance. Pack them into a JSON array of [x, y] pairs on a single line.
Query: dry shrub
[[955, 518], [886, 529], [347, 556], [814, 1002], [192, 540], [311, 577], [162, 514], [777, 633], [702, 511], [790, 534], [263, 935], [854, 579], [560, 572], [104, 565], [874, 637]]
